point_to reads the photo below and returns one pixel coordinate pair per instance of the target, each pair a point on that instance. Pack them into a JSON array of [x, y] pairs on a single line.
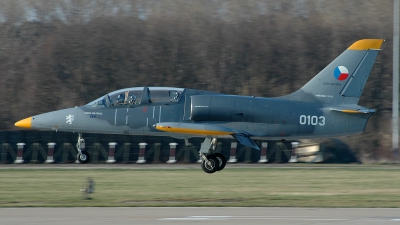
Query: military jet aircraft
[[326, 106]]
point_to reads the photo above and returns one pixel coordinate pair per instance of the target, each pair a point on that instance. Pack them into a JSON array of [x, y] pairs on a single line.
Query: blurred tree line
[[60, 54]]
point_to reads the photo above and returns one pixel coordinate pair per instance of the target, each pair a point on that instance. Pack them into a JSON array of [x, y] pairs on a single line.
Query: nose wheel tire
[[221, 159], [83, 157], [211, 166]]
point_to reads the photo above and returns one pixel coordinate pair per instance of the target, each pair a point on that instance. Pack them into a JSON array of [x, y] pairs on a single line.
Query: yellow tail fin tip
[[366, 44]]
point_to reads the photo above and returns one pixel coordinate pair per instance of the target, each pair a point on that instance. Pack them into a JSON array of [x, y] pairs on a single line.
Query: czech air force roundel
[[341, 73]]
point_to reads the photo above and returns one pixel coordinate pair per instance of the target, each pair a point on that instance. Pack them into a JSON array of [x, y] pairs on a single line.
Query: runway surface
[[211, 215]]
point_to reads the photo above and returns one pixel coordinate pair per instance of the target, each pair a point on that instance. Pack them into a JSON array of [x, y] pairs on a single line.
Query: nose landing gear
[[210, 164], [83, 156], [211, 161]]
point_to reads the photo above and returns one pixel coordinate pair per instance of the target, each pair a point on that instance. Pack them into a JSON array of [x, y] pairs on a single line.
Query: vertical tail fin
[[344, 79]]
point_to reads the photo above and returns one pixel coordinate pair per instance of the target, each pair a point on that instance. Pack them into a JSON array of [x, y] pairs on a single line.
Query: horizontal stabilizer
[[245, 140], [353, 110]]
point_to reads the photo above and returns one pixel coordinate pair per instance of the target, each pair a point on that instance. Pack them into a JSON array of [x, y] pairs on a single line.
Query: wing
[[207, 130]]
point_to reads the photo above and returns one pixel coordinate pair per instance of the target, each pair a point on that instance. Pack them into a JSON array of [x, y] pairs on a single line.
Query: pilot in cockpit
[[175, 97], [126, 99], [120, 99], [131, 100]]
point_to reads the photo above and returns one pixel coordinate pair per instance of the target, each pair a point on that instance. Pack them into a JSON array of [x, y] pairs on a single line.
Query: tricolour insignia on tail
[[341, 73]]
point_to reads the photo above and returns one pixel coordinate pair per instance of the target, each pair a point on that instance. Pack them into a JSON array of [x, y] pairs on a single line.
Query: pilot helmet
[[120, 98], [131, 99]]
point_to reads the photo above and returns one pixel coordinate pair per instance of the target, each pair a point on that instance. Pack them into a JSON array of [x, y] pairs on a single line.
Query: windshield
[[134, 96]]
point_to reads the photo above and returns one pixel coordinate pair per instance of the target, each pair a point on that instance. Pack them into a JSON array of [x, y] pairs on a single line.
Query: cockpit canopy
[[139, 96]]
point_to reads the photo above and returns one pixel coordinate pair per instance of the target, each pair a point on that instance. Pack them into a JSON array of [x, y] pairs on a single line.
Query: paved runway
[[184, 215]]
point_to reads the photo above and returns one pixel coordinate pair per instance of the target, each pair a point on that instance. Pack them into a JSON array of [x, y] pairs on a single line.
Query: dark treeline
[[61, 54]]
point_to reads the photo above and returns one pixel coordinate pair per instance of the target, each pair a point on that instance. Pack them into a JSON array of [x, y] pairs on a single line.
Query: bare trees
[[61, 54]]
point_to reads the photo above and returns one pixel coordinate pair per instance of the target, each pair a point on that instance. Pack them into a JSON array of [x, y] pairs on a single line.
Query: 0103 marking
[[312, 120]]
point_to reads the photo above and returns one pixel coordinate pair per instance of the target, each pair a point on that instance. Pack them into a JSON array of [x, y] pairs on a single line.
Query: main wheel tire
[[83, 157], [214, 164], [221, 159], [216, 168]]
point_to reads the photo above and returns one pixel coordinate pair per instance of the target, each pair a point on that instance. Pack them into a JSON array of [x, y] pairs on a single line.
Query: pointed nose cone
[[25, 123]]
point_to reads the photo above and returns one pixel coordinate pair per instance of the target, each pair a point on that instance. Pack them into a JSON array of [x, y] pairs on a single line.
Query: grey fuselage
[[257, 117]]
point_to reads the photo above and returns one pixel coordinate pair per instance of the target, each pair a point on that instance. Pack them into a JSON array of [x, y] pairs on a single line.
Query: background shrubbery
[[58, 54]]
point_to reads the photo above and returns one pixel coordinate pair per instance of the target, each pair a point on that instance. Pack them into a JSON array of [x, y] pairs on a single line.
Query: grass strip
[[232, 187]]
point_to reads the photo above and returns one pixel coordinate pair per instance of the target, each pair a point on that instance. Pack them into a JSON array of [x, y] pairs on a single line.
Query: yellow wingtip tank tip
[[366, 44], [25, 123]]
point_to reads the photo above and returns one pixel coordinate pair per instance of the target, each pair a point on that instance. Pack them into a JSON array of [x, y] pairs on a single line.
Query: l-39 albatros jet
[[324, 107]]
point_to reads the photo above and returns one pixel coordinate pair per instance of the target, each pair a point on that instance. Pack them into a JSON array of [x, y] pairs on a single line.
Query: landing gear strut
[[210, 160], [83, 156]]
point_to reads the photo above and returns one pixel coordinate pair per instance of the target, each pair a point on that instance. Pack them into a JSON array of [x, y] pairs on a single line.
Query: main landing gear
[[83, 156], [210, 160]]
